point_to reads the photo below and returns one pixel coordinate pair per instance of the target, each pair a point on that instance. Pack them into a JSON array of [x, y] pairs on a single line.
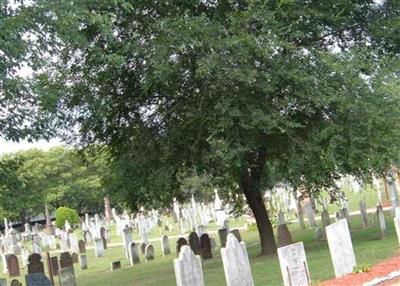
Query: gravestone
[[381, 221], [166, 250], [98, 247], [236, 233], [213, 243], [340, 247], [188, 269], [67, 276], [103, 236], [194, 243], [200, 229], [127, 237], [149, 252], [236, 263], [75, 258], [83, 261], [143, 247], [284, 235], [133, 253], [179, 243], [293, 263], [363, 212], [345, 214], [115, 265], [310, 214], [319, 234], [65, 260], [205, 244], [37, 279], [14, 282], [326, 220], [12, 265], [3, 282], [223, 234], [54, 265], [81, 246], [35, 264]]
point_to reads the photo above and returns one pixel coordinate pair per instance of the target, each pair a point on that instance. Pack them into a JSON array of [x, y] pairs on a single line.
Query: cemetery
[[199, 143]]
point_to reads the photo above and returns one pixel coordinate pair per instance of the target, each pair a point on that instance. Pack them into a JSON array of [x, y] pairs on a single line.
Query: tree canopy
[[245, 90]]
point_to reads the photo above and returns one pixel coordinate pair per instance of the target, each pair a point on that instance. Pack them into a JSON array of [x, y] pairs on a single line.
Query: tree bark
[[250, 185]]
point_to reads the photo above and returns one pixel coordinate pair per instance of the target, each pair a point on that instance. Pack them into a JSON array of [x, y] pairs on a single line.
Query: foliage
[[63, 214], [245, 91], [363, 268]]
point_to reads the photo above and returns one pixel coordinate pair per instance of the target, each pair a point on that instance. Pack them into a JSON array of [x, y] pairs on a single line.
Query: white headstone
[[293, 262], [236, 263], [340, 247], [188, 269], [127, 238], [98, 247]]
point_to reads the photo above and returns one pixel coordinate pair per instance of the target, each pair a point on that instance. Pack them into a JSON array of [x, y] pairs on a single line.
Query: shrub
[[63, 214]]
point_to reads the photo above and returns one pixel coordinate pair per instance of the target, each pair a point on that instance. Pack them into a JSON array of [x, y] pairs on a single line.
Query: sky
[[10, 147]]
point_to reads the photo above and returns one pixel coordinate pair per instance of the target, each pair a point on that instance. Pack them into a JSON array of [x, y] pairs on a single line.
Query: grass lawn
[[368, 248]]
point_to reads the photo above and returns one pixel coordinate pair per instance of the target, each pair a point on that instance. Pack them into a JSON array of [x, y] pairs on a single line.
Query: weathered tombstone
[[223, 234], [75, 258], [326, 220], [14, 282], [205, 244], [338, 216], [37, 279], [397, 227], [319, 234], [194, 243], [81, 246], [345, 214], [300, 214], [236, 233], [179, 243], [188, 269], [292, 259], [200, 229], [149, 252], [127, 237], [143, 247], [133, 253], [381, 221], [83, 261], [236, 263], [115, 265], [310, 214], [35, 264], [12, 265], [98, 247], [340, 247], [3, 282], [363, 212], [67, 276], [166, 250], [394, 197], [284, 236], [54, 265], [65, 260], [213, 243]]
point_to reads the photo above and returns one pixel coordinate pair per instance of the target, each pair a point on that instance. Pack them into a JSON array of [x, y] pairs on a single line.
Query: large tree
[[237, 88]]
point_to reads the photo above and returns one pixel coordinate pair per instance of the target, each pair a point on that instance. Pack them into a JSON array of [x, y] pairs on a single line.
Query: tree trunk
[[265, 230], [250, 185]]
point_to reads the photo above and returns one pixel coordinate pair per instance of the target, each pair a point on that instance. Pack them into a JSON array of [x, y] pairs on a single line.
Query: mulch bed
[[381, 269]]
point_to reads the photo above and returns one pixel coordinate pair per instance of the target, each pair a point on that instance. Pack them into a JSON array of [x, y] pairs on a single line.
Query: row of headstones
[[62, 267], [292, 260]]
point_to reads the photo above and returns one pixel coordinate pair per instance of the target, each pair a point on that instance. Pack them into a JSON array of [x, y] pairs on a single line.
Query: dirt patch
[[381, 269]]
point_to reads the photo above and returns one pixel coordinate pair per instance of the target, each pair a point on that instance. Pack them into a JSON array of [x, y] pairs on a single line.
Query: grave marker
[[115, 265], [133, 253], [293, 263], [179, 243], [205, 244], [194, 243], [165, 245], [37, 279], [98, 247], [188, 270], [223, 234], [340, 247], [83, 261], [35, 264], [67, 276], [236, 263], [149, 252], [12, 265]]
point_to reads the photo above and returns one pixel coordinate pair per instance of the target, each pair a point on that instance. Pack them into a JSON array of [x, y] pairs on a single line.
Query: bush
[[63, 214]]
